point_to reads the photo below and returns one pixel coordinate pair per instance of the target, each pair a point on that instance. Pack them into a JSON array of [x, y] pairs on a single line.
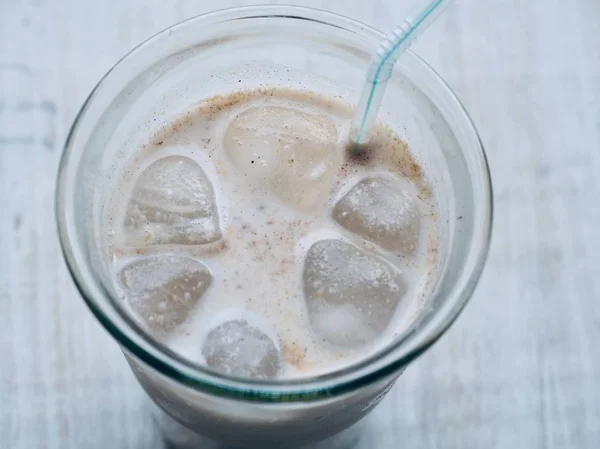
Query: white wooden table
[[520, 368]]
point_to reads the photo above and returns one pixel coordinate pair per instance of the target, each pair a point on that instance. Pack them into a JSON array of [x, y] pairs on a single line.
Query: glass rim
[[377, 366]]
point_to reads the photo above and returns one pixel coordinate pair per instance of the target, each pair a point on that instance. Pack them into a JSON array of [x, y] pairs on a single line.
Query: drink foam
[[252, 181]]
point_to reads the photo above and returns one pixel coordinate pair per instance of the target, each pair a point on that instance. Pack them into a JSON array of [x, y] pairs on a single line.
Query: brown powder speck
[[415, 169], [294, 354], [359, 154]]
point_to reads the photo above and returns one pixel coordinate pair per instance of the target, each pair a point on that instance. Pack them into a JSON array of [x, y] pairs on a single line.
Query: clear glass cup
[[292, 47]]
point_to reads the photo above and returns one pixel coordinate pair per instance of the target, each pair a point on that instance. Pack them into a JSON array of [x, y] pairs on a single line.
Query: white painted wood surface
[[520, 368]]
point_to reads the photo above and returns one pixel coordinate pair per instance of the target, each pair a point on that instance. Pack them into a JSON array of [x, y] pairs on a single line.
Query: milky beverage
[[248, 236]]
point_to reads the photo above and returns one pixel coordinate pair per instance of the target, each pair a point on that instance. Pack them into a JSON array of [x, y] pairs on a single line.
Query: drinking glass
[[245, 48]]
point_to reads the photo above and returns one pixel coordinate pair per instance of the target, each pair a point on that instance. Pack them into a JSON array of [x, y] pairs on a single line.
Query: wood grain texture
[[519, 369]]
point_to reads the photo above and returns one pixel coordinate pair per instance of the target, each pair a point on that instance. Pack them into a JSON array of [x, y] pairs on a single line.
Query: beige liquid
[[276, 162]]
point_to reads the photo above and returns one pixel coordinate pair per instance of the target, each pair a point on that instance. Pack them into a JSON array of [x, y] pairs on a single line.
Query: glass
[[293, 47]]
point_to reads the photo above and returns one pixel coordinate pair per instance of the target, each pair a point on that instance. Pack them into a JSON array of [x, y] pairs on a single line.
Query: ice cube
[[240, 349], [351, 294], [383, 211], [162, 290], [294, 152], [172, 202]]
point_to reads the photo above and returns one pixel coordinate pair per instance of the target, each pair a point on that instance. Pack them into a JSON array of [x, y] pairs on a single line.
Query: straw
[[382, 64]]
